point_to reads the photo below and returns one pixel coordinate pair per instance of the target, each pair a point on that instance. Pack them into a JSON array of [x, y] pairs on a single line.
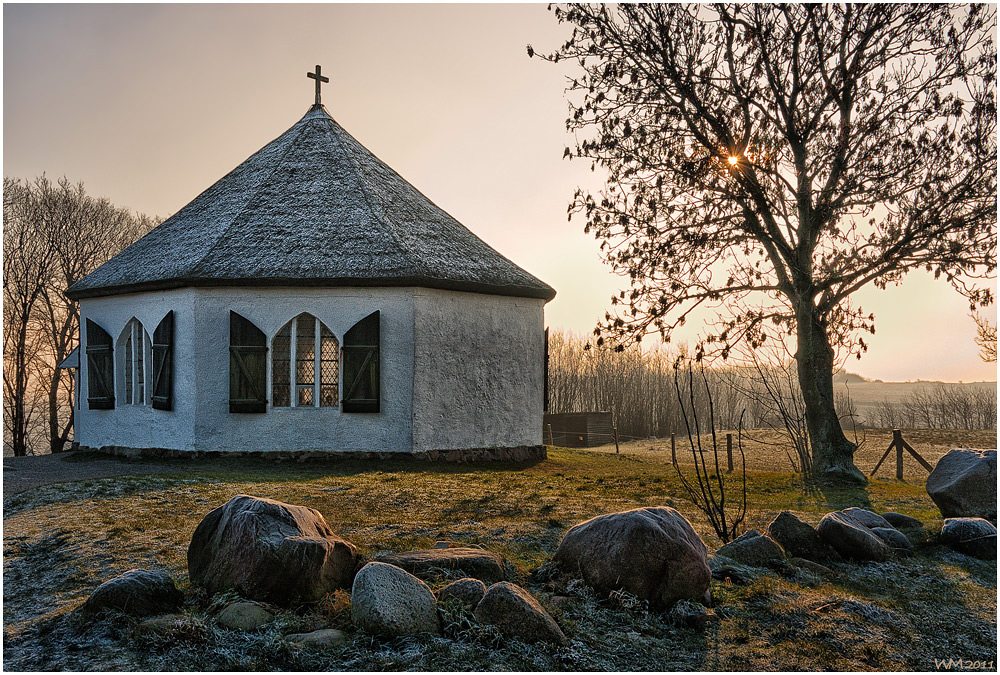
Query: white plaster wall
[[140, 426], [479, 370], [303, 429]]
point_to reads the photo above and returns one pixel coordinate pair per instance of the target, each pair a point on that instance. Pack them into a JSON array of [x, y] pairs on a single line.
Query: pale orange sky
[[148, 105]]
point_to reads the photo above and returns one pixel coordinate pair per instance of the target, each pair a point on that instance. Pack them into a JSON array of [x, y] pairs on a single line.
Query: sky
[[149, 105]]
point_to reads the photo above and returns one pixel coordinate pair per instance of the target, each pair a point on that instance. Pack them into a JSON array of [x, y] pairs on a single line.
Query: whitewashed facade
[[312, 301]]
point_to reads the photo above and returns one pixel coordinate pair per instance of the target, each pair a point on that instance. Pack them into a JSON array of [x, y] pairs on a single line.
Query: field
[[62, 540]]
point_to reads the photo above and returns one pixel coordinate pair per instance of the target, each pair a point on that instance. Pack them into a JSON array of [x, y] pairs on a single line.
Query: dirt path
[[25, 473]]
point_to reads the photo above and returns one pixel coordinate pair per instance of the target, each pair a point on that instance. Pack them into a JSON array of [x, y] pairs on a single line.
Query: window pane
[[280, 349], [329, 368], [128, 367], [305, 350], [305, 395], [140, 379]]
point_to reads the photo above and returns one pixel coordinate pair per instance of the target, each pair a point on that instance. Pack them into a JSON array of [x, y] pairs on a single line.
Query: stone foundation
[[524, 453]]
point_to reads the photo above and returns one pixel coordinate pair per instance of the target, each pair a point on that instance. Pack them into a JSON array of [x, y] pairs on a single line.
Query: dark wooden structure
[[578, 429], [898, 444]]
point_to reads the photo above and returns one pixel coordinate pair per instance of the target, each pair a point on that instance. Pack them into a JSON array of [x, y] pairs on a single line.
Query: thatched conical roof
[[311, 208]]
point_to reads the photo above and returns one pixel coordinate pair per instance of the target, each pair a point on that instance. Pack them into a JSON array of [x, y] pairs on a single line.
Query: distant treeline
[[638, 387]]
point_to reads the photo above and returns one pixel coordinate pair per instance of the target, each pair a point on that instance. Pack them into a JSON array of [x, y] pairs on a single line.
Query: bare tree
[[768, 161], [986, 338], [54, 235]]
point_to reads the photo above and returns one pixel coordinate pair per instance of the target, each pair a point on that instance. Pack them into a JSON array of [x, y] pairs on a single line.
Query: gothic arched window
[[133, 345], [305, 360]]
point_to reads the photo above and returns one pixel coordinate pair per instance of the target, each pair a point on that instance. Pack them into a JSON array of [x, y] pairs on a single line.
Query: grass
[[66, 539]]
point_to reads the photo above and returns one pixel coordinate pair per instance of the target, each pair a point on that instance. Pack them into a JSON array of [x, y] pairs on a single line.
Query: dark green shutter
[[163, 363], [361, 366], [100, 368], [545, 366], [247, 366]]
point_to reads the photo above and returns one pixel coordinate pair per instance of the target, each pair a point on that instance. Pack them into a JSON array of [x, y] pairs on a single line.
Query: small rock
[[690, 614], [756, 551], [518, 615], [814, 567], [894, 538], [900, 521], [472, 562], [441, 544], [867, 518], [245, 616], [964, 484], [468, 591], [137, 592], [801, 539], [387, 600], [325, 637], [726, 569], [163, 625], [851, 538], [972, 536]]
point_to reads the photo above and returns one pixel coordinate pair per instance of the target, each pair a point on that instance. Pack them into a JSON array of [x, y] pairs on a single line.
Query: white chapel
[[312, 302]]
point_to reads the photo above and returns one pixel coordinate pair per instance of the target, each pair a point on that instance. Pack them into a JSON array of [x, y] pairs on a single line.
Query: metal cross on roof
[[319, 79]]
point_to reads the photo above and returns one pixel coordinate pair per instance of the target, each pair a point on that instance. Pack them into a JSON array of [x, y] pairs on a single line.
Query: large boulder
[[972, 536], [801, 539], [386, 600], [964, 484], [136, 592], [867, 518], [472, 562], [653, 553], [851, 538], [517, 614], [756, 550], [271, 551]]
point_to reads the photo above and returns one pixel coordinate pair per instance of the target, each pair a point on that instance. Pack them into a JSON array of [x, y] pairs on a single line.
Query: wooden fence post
[[673, 449], [551, 440], [897, 439], [729, 451], [899, 444]]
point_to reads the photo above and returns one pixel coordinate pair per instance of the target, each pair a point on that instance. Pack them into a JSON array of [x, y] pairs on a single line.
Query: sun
[[734, 160]]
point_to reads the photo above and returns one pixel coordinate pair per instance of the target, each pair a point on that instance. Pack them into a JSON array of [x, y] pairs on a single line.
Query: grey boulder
[[653, 553], [895, 539], [964, 484], [801, 539], [516, 614], [867, 518], [246, 616], [271, 551], [472, 562], [902, 522], [756, 551], [325, 637], [972, 536], [851, 538], [387, 600], [468, 591], [137, 593]]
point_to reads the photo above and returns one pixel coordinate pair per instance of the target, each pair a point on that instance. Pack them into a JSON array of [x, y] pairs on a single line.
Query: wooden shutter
[[163, 363], [247, 366], [361, 366], [100, 368]]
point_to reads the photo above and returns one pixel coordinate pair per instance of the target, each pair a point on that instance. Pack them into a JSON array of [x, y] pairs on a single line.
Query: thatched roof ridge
[[311, 208]]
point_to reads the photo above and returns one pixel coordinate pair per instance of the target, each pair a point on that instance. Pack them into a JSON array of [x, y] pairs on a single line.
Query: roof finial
[[319, 78]]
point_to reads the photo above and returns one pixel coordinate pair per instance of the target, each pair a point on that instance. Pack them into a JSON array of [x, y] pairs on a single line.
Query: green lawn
[[60, 541]]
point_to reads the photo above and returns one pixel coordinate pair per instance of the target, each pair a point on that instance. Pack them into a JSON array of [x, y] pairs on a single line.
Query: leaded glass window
[[301, 350], [133, 343]]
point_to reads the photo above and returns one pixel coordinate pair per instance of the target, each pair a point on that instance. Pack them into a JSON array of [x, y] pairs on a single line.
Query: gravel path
[[25, 473]]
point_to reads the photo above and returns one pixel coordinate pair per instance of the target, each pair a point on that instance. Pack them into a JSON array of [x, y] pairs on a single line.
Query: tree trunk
[[833, 454]]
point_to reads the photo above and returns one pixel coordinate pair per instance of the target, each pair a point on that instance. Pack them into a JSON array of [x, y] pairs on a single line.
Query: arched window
[[303, 349], [133, 344]]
